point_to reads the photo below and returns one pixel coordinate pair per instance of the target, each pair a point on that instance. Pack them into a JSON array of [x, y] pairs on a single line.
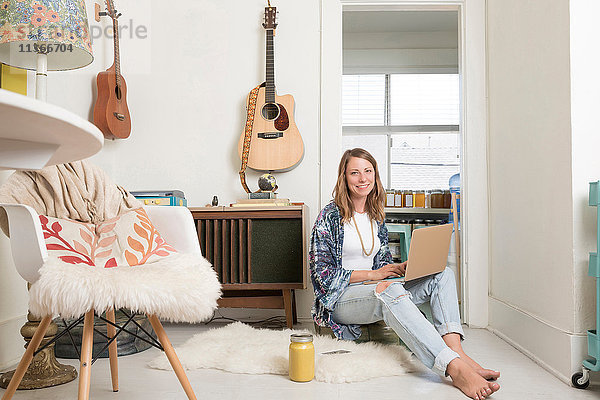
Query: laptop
[[428, 253]]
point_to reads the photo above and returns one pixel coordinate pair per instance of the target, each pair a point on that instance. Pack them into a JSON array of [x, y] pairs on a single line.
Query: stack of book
[[161, 197], [261, 203]]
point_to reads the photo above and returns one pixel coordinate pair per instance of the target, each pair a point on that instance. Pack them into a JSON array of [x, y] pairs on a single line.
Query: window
[[409, 122], [424, 99], [363, 99], [423, 161]]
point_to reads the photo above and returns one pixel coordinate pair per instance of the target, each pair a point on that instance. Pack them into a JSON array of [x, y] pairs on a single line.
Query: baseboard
[[11, 342], [559, 352]]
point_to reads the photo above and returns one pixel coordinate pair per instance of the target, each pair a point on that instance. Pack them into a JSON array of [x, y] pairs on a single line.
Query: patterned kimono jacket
[[328, 277]]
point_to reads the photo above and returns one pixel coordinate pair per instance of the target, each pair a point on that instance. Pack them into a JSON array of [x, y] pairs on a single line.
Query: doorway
[[425, 52]]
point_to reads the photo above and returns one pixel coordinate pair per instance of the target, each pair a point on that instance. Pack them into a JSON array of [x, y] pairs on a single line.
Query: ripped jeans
[[397, 306]]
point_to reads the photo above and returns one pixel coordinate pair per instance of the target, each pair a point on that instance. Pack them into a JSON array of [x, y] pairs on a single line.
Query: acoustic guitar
[[111, 114], [276, 143]]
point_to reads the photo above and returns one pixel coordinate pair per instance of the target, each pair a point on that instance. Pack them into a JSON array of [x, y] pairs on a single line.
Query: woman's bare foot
[[471, 383], [453, 341], [485, 373], [488, 374]]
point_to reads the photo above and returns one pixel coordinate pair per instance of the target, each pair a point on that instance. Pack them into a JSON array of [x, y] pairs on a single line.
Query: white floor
[[521, 378]]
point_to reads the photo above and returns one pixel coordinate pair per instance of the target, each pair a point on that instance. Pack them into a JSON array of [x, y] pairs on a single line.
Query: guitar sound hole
[[118, 92], [270, 111]]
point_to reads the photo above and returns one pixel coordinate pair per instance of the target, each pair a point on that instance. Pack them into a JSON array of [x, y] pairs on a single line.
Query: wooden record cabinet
[[259, 254]]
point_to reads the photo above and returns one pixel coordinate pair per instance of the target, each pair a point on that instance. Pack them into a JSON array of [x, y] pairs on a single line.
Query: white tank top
[[352, 254]]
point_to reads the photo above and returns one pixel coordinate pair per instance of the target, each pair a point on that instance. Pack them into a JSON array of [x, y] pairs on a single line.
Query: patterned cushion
[[129, 239]]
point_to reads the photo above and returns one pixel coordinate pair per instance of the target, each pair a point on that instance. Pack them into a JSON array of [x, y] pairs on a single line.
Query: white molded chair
[[29, 252]]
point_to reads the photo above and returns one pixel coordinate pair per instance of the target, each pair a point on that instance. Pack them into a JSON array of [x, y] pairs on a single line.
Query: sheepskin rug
[[240, 348], [176, 288]]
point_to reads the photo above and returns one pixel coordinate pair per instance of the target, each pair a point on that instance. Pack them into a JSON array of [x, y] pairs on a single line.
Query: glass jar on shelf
[[437, 199], [407, 198], [428, 199], [447, 199], [397, 198], [389, 197], [419, 199]]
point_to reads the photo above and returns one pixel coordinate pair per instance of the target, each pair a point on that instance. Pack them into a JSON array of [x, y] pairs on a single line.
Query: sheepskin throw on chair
[[98, 249]]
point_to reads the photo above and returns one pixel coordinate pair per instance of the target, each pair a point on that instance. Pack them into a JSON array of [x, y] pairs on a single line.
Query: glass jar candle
[[302, 358]]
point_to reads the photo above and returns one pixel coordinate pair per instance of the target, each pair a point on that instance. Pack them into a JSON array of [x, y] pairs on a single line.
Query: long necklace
[[361, 240]]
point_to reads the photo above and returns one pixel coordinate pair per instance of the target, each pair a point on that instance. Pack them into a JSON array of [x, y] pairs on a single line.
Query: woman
[[345, 250]]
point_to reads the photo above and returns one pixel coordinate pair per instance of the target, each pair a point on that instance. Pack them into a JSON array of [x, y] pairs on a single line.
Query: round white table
[[34, 134]]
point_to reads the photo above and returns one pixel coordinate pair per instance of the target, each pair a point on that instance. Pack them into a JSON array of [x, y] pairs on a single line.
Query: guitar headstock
[[270, 21]]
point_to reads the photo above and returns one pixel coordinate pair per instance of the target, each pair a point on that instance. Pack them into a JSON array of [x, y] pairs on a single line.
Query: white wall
[[187, 102], [376, 52], [539, 164], [585, 104], [330, 99], [187, 84]]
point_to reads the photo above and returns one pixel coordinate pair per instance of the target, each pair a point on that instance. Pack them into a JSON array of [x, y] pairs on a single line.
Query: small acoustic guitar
[[111, 114], [276, 143]]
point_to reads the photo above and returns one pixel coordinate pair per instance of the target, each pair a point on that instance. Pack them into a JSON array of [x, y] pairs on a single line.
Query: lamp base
[[44, 376], [44, 370]]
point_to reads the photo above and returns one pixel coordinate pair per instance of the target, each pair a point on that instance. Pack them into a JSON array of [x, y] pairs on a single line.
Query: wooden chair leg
[[112, 350], [27, 358], [287, 304], [170, 352], [294, 310], [85, 364]]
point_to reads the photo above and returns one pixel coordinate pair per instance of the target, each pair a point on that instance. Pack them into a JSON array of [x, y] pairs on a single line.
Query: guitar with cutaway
[[276, 143]]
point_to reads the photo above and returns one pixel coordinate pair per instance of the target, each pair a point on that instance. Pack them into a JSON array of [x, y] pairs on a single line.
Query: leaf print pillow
[[137, 240], [129, 239], [76, 242]]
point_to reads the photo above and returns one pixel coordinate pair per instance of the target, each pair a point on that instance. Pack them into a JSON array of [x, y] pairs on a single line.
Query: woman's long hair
[[341, 196]]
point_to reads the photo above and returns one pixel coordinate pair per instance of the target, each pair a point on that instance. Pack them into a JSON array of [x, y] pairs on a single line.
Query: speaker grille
[[253, 250]]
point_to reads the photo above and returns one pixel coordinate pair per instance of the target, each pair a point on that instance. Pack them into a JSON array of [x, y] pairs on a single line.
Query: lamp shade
[[57, 28]]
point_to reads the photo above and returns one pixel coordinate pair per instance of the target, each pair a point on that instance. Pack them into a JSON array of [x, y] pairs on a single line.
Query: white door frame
[[472, 66]]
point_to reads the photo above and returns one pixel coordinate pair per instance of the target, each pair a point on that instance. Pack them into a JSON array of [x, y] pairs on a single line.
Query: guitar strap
[[251, 109]]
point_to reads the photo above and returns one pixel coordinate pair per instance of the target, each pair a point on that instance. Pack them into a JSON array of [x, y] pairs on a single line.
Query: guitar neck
[[270, 66], [117, 61]]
